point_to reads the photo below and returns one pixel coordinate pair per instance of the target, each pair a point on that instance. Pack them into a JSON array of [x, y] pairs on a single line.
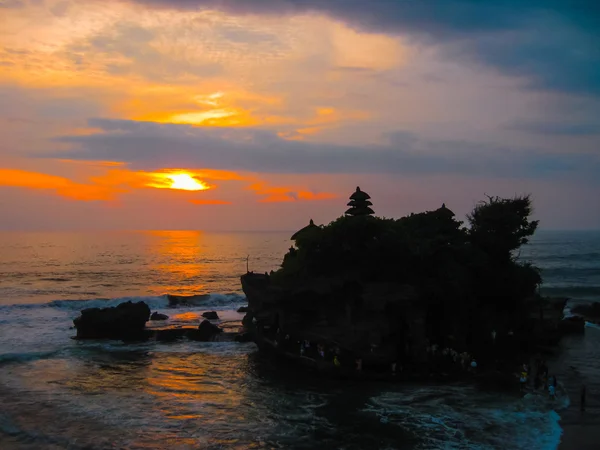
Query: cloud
[[551, 42], [128, 48], [61, 185], [12, 4], [150, 145], [113, 179], [557, 128], [273, 194], [209, 202]]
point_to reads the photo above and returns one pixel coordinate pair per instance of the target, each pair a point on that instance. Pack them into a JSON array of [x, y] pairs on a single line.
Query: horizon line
[[208, 230]]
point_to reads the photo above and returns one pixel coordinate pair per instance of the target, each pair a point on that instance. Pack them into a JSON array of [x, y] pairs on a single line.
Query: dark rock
[[126, 321], [158, 316], [244, 337], [573, 325], [206, 332], [591, 310], [242, 309], [376, 291], [210, 315]]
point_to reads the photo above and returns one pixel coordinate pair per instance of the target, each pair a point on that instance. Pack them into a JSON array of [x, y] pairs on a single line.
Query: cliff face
[[381, 322], [377, 322]]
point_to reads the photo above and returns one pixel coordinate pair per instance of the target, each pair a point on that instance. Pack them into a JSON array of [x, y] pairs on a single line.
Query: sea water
[[57, 392]]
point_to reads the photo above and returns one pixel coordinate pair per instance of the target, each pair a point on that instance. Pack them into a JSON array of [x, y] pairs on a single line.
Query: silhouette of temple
[[359, 204], [311, 225]]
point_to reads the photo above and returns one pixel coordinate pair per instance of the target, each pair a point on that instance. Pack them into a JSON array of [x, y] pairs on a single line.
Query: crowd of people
[[540, 377]]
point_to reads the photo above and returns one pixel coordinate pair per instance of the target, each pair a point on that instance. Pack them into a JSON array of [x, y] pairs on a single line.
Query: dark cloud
[[150, 146], [553, 43], [557, 128], [12, 4], [42, 104]]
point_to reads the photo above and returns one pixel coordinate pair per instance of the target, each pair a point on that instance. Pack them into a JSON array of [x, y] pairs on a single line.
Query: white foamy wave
[[592, 325], [567, 310], [158, 302], [153, 302], [465, 418], [222, 300]]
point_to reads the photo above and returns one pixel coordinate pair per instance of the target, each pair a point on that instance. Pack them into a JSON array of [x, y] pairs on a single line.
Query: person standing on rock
[[523, 378], [358, 362]]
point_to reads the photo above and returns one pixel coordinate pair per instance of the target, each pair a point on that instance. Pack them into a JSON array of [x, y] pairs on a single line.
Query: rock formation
[[126, 321], [206, 332], [210, 315], [373, 291], [158, 316]]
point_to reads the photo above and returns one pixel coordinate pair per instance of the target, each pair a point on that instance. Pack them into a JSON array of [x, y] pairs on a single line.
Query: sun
[[186, 182], [179, 180]]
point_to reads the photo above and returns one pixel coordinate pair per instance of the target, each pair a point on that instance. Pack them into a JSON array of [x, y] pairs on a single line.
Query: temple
[[359, 204]]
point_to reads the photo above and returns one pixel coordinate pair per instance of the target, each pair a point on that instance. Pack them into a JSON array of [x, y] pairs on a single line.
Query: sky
[[262, 114]]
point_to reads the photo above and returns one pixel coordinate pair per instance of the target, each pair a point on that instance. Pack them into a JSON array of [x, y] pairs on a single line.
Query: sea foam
[[158, 302]]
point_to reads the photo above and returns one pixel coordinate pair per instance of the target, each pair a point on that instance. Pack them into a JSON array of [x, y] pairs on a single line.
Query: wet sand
[[581, 430]]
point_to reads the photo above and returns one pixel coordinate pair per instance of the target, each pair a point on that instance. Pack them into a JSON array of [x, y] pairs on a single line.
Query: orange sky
[[236, 118]]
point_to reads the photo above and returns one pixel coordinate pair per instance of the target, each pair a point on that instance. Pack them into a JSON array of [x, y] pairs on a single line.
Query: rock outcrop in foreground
[[126, 321], [380, 293]]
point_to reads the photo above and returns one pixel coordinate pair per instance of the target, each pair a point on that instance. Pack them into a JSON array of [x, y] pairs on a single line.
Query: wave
[[578, 257], [464, 418], [205, 301], [572, 256], [25, 357], [556, 273], [573, 292], [154, 302]]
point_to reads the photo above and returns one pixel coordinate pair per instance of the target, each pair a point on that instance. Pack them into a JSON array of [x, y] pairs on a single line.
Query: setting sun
[[186, 182], [180, 180]]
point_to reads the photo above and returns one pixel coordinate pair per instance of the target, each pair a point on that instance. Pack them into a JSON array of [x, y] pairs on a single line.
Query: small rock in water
[[242, 309], [205, 332], [157, 316], [210, 315]]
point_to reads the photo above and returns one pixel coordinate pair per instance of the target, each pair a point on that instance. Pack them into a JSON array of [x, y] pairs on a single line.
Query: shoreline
[[580, 430]]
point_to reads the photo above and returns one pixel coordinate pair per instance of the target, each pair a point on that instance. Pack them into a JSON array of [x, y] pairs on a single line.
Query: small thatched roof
[[359, 195], [445, 211], [311, 225]]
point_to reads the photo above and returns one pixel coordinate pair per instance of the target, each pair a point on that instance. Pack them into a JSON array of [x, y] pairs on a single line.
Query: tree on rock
[[501, 225], [359, 204]]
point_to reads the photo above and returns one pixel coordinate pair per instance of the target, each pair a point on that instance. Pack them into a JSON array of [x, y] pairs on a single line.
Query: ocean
[[59, 393]]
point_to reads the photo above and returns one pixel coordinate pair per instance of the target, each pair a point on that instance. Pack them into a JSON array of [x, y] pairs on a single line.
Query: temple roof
[[359, 195], [311, 225], [359, 203], [445, 210], [359, 211]]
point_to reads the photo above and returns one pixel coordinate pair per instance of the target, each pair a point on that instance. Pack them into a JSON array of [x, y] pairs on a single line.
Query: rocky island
[[369, 294]]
